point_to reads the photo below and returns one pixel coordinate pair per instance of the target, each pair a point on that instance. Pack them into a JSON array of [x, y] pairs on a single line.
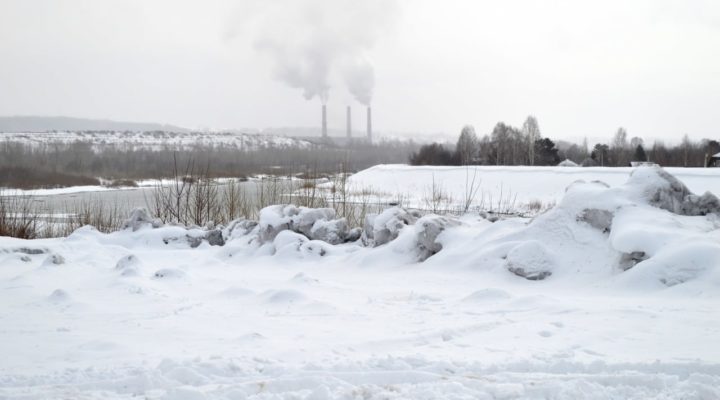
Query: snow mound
[[54, 259], [663, 190], [59, 296], [128, 265], [139, 218], [428, 229], [677, 264], [286, 296], [531, 260], [385, 227], [312, 223], [650, 229]]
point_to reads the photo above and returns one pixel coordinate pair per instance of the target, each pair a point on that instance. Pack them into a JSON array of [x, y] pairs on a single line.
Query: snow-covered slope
[[611, 294], [158, 140], [512, 186]]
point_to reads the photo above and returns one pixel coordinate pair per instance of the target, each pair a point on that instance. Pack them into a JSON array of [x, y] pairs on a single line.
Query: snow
[[59, 191], [568, 163], [141, 313], [144, 183], [512, 187]]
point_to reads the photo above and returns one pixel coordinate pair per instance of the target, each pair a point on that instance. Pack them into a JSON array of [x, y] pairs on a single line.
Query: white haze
[[584, 68], [310, 40]]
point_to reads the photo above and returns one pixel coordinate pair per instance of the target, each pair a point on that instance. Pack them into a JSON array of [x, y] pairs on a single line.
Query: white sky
[[584, 68]]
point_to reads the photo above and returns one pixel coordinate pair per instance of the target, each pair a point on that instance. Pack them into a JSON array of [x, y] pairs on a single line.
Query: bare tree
[[467, 145], [499, 138], [531, 130], [686, 145], [619, 148]]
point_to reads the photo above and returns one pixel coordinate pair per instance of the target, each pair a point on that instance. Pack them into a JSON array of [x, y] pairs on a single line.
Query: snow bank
[[637, 232]]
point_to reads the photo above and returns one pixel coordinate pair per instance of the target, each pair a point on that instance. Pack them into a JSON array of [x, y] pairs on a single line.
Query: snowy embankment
[[613, 293], [516, 187]]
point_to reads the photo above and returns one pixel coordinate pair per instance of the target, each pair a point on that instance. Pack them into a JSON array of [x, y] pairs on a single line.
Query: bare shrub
[[472, 185], [18, 217], [436, 199], [104, 216]]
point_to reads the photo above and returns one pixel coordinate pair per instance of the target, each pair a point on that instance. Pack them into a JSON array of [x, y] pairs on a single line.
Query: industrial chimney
[[369, 124], [324, 122], [349, 123]]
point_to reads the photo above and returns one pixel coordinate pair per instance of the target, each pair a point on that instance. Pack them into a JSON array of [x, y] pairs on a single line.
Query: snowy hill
[[157, 139], [44, 124]]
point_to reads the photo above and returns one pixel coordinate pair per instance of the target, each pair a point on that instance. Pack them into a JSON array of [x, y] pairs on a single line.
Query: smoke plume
[[360, 80], [313, 42]]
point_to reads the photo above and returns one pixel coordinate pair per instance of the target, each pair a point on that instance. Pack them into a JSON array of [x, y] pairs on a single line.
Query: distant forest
[[24, 165], [508, 145]]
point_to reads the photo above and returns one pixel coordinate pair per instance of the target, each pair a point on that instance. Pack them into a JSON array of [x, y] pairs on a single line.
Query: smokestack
[[349, 123], [369, 124], [324, 121]]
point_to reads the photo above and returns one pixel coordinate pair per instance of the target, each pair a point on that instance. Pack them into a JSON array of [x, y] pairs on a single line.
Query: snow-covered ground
[[158, 140], [612, 294], [513, 187]]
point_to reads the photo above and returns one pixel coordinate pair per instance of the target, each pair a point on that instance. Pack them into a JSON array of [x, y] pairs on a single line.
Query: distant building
[[568, 163], [713, 161], [641, 163]]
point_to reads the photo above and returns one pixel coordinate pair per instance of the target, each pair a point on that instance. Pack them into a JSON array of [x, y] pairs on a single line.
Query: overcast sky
[[584, 68]]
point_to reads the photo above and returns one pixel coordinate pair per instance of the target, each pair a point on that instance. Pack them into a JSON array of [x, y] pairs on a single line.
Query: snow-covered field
[[514, 187], [157, 140], [612, 294]]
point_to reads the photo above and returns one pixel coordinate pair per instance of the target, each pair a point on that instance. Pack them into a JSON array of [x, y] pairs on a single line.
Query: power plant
[[348, 122]]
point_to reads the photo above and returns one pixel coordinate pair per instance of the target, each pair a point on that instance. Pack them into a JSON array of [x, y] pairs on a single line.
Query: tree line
[[509, 145], [57, 164]]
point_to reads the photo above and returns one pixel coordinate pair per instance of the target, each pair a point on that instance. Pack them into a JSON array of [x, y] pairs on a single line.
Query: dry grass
[[18, 217], [196, 198]]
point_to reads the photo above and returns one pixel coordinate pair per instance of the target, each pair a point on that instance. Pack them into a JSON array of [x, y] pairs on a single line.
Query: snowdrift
[[651, 231], [613, 291]]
